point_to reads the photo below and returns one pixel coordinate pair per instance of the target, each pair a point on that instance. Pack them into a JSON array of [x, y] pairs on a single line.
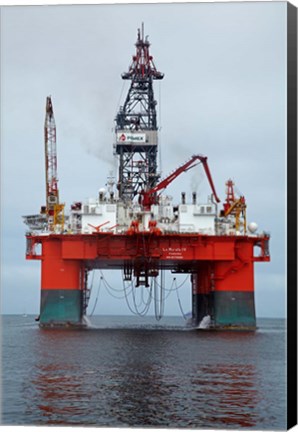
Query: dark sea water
[[131, 371]]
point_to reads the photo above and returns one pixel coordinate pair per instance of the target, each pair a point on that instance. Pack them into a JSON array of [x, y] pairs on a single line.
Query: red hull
[[217, 263]]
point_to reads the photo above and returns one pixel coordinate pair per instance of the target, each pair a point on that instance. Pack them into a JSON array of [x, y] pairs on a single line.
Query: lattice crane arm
[[54, 210], [52, 193]]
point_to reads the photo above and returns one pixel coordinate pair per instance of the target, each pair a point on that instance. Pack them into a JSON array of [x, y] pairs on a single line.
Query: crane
[[53, 209], [234, 206], [149, 197]]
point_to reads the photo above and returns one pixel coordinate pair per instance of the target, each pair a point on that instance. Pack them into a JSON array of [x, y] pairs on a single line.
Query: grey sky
[[223, 95]]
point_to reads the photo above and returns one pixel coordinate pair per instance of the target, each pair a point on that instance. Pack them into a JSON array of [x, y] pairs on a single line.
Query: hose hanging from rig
[[147, 304], [136, 310], [159, 296], [98, 289], [109, 287]]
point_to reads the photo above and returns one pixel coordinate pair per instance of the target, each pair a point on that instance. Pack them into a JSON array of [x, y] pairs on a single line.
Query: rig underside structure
[[133, 227]]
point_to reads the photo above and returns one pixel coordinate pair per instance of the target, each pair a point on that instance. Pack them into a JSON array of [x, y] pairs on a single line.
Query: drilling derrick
[[136, 125], [53, 209]]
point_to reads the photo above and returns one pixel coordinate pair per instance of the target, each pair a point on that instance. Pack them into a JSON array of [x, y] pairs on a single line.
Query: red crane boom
[[149, 197]]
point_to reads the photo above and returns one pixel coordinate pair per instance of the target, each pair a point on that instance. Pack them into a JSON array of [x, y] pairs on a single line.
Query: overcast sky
[[223, 95]]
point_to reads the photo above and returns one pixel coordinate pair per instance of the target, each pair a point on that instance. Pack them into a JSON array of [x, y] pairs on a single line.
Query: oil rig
[[134, 227]]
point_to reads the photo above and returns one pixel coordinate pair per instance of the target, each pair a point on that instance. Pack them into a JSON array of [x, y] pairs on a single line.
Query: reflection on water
[[139, 378], [230, 393], [58, 395], [129, 376]]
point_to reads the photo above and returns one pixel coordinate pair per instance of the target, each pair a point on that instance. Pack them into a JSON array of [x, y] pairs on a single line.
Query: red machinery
[[149, 197]]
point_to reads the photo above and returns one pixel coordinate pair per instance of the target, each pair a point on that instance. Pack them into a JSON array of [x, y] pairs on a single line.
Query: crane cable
[[119, 101], [160, 127]]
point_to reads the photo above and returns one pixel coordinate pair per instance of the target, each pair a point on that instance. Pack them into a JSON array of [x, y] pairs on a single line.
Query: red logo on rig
[[122, 137]]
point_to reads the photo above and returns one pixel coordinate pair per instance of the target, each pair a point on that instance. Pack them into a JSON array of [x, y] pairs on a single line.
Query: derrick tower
[[136, 125]]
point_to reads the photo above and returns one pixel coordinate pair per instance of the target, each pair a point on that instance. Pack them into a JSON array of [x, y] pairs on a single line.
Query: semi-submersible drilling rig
[[131, 226]]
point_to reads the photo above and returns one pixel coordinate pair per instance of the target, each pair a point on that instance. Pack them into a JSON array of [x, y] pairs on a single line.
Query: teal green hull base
[[61, 309], [228, 310], [234, 310]]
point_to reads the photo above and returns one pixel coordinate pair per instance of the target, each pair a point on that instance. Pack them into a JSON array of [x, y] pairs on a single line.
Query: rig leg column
[[202, 296], [62, 287], [234, 304]]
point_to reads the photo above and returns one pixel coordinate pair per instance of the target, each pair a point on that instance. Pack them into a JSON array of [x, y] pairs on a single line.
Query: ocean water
[[131, 371]]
